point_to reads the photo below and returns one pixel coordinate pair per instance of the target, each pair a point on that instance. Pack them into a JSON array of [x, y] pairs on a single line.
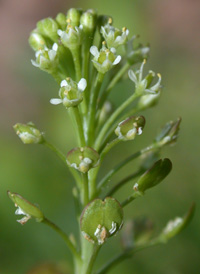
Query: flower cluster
[[88, 56]]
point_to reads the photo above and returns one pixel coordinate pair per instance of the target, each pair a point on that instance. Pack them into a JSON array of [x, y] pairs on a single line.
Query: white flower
[[25, 219], [104, 59], [142, 86], [113, 36], [70, 93], [72, 37], [46, 59]]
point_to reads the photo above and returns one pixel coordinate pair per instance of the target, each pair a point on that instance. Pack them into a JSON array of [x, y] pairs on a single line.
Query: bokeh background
[[172, 29]]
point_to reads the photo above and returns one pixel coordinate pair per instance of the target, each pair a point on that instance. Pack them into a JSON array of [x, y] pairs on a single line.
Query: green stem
[[112, 118], [125, 255], [79, 124], [113, 82], [123, 163], [94, 172], [76, 55], [93, 258], [124, 181], [64, 236], [92, 107], [85, 189], [63, 158]]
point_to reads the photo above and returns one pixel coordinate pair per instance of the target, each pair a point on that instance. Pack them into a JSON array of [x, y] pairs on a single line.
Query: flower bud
[[28, 133], [101, 220], [113, 36], [61, 19], [72, 37], [153, 176], [136, 54], [37, 41], [169, 133], [70, 93], [73, 17], [143, 86], [46, 59], [25, 208], [104, 59], [83, 158], [88, 21], [48, 27], [129, 128], [175, 226]]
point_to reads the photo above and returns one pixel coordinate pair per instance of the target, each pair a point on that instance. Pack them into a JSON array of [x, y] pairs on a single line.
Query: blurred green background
[[171, 27]]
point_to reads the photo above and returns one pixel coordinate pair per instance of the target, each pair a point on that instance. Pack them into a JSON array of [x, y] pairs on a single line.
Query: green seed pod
[[73, 17], [153, 176], [83, 158], [169, 133], [88, 21], [101, 220], [28, 133], [48, 27], [175, 226], [25, 208], [61, 19], [37, 41], [129, 128]]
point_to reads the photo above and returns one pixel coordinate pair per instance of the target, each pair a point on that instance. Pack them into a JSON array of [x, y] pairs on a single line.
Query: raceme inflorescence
[[88, 56]]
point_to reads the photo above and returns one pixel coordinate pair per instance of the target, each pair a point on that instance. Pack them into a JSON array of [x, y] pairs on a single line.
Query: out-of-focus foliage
[[38, 175]]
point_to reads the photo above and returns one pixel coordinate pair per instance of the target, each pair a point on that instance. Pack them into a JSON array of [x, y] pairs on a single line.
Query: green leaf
[[101, 219]]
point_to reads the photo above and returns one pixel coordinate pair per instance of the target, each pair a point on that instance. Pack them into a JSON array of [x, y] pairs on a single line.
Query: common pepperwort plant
[[87, 56]]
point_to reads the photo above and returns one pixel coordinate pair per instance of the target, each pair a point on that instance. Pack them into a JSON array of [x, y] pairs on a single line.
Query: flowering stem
[[113, 82], [93, 258], [112, 118], [92, 109], [123, 182], [64, 236]]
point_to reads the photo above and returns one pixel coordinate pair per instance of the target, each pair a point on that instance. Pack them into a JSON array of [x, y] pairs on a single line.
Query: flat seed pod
[[101, 220]]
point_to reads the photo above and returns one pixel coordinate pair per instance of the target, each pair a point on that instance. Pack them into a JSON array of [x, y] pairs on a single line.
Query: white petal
[[113, 50], [55, 47], [82, 84], [127, 32], [35, 64], [117, 60], [52, 54], [59, 32], [55, 101], [132, 76], [63, 83], [94, 51]]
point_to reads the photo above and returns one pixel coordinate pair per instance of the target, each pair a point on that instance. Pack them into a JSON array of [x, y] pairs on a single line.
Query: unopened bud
[[37, 41], [61, 19], [88, 21], [73, 17], [48, 27]]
